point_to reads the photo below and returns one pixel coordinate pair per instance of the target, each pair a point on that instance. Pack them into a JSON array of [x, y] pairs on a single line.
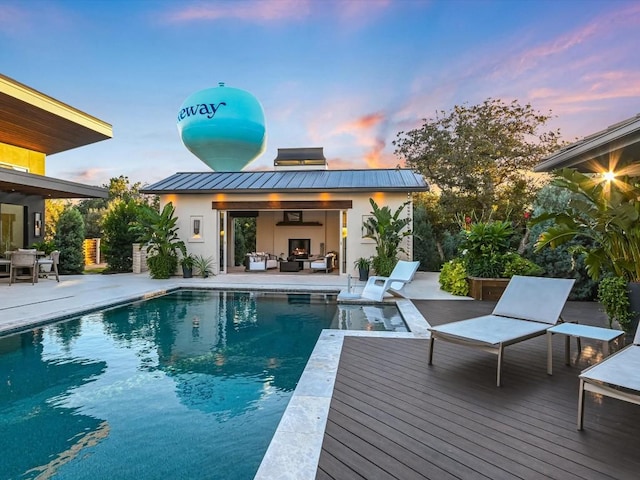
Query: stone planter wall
[[139, 259]]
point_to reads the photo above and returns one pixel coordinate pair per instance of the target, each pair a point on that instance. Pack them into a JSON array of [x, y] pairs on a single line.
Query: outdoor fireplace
[[299, 247]]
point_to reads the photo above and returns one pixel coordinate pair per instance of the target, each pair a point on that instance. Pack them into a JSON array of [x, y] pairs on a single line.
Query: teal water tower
[[223, 126]]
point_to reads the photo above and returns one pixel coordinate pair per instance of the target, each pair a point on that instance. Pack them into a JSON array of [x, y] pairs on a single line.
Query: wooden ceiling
[[34, 121]]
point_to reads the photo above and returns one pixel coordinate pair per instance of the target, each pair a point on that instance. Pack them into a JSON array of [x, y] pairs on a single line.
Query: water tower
[[223, 126]]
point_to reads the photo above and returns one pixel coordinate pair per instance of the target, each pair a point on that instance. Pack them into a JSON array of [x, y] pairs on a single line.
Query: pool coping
[[294, 451]]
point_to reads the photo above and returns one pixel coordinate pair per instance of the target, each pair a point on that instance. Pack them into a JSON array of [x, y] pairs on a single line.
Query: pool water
[[188, 385]]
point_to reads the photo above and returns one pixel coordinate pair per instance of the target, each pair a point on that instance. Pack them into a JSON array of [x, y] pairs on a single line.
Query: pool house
[[302, 209]]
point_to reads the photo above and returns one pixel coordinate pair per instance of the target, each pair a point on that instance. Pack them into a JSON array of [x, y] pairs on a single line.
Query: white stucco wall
[[272, 238]]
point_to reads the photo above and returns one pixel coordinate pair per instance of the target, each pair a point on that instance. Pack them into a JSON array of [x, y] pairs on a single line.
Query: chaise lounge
[[617, 376], [527, 308], [377, 286]]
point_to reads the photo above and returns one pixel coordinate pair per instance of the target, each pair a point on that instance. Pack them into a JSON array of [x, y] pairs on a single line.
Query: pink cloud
[[594, 31], [257, 11]]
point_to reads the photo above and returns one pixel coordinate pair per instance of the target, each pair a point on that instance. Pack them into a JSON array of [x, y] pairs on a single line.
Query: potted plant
[[187, 266], [363, 265], [607, 213], [203, 265]]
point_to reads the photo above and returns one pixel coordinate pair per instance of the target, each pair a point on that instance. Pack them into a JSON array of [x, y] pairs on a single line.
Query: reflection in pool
[[188, 385]]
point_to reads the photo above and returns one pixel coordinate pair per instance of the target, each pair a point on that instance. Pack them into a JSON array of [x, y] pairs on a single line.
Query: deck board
[[393, 416]]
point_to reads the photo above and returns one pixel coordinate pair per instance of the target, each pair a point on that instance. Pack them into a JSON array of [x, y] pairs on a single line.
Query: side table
[[605, 335]]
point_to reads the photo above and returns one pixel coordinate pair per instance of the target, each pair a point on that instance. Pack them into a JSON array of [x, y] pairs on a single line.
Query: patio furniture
[[326, 263], [260, 261], [402, 274], [5, 266], [606, 335], [53, 261], [617, 376], [290, 266], [22, 261], [527, 308]]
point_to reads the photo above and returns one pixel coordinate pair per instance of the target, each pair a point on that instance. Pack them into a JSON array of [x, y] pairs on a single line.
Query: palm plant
[[607, 213], [160, 234], [388, 230]]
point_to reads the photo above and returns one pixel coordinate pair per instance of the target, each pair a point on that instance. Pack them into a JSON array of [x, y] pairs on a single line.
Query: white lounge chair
[[527, 308], [402, 274], [617, 376]]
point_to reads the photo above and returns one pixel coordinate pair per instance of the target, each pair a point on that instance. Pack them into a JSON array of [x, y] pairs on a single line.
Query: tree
[[120, 190], [69, 240], [118, 237], [53, 208], [480, 158]]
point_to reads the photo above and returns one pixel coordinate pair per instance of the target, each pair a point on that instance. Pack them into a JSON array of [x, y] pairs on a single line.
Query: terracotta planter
[[486, 288]]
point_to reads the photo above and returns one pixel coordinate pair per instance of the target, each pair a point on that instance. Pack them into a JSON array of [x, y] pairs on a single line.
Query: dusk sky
[[344, 75]]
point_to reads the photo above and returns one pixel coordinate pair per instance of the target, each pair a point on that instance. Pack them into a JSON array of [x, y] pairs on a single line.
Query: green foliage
[[480, 158], [46, 246], [388, 230], [69, 239], [484, 248], [613, 295], [187, 261], [118, 237], [53, 208], [120, 190], [453, 277], [425, 247], [559, 262], [607, 213], [159, 232], [203, 265], [244, 238], [362, 263], [515, 264], [162, 266]]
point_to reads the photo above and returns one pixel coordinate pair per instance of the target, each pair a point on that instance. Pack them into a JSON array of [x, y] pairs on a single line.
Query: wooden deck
[[393, 416]]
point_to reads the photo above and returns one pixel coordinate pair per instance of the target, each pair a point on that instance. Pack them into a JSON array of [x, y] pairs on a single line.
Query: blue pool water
[[188, 385]]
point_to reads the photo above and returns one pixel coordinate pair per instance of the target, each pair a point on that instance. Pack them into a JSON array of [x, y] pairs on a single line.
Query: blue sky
[[344, 75]]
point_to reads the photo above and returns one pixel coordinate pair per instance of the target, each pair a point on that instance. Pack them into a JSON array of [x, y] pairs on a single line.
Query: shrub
[[484, 248], [118, 236], [514, 264], [69, 239], [453, 277]]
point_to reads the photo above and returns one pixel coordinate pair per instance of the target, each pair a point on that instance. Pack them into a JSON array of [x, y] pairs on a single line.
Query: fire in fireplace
[[299, 247]]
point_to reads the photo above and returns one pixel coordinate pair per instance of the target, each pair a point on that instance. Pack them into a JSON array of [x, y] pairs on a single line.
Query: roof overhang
[[29, 184], [610, 149], [37, 122]]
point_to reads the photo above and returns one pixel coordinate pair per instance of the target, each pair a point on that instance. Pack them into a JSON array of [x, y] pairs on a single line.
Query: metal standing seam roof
[[381, 180]]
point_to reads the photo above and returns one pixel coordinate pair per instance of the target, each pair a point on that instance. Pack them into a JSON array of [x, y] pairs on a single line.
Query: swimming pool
[[188, 385]]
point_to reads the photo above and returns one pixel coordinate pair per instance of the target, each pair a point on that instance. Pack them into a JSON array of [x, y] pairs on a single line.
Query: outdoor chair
[[617, 376], [326, 263], [5, 266], [402, 274], [53, 261], [20, 262], [527, 308]]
